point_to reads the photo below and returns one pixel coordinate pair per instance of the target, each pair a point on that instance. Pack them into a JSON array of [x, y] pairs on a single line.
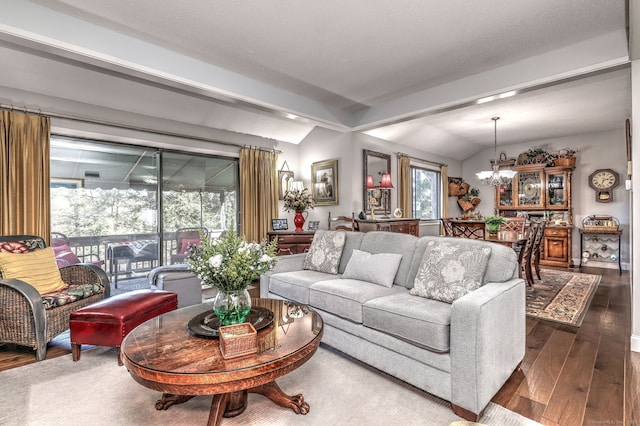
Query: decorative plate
[[206, 324]]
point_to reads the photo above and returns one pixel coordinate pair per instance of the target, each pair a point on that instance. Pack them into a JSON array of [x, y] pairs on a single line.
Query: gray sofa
[[462, 352]]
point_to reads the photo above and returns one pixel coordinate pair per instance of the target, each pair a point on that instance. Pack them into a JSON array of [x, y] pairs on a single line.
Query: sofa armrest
[[488, 340], [294, 262], [180, 280]]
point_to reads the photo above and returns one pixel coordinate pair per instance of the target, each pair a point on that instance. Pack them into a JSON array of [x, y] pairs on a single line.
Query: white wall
[[347, 148], [603, 150]]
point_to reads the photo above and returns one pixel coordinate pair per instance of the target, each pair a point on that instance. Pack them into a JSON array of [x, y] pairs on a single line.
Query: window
[[425, 193]]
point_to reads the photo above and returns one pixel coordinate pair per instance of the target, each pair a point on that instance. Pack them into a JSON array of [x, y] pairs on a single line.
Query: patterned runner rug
[[561, 296]]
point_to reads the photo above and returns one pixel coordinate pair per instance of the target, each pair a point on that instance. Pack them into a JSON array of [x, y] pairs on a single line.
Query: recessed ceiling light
[[487, 99], [507, 94], [291, 116]]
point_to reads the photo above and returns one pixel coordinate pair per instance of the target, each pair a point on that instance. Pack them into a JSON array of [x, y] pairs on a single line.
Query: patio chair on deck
[[185, 237], [37, 298], [65, 256]]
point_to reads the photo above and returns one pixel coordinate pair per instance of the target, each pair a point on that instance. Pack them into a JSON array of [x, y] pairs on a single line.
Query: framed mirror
[[375, 164]]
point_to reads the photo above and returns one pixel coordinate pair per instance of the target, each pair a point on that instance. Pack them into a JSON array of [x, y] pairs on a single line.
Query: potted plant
[[230, 264], [493, 223]]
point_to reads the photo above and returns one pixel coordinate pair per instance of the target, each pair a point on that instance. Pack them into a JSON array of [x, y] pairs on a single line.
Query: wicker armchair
[[28, 318]]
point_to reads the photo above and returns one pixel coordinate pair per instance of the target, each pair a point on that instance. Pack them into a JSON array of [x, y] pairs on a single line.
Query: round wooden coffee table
[[161, 354]]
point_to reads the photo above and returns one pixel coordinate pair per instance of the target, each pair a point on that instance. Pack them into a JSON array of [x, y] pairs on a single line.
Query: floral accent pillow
[[325, 251], [448, 271], [378, 268]]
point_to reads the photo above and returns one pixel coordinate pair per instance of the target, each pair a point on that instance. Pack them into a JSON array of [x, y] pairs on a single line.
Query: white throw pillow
[[325, 251], [378, 268], [449, 270]]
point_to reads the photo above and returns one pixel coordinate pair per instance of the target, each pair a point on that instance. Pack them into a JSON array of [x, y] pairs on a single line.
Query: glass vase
[[231, 307]]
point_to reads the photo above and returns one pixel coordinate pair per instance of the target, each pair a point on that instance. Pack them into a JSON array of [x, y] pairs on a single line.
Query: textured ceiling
[[407, 71]]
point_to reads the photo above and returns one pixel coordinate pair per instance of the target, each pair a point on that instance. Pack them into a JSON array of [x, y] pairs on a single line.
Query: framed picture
[[285, 177], [324, 180], [314, 225], [279, 224]]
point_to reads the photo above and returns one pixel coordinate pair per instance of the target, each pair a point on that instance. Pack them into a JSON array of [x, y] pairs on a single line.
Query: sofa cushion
[[325, 251], [378, 268], [392, 242], [71, 294], [450, 270], [344, 297], [38, 268], [424, 322], [295, 285], [352, 241]]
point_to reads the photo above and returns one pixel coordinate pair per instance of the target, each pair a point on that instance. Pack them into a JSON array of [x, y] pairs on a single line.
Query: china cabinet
[[542, 192]]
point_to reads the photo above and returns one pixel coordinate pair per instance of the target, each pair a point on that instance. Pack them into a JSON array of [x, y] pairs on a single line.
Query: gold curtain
[[404, 170], [444, 174], [24, 174], [258, 192]]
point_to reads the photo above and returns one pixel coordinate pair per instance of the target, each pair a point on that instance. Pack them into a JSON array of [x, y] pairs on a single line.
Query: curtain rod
[[402, 154], [124, 126]]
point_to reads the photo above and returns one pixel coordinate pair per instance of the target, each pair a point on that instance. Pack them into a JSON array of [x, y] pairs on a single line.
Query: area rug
[[561, 296], [95, 391]]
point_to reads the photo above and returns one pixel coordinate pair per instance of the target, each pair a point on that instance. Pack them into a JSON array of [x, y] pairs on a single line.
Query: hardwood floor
[[580, 376], [569, 376]]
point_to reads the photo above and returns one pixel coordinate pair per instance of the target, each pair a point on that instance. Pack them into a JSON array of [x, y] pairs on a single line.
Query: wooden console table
[[291, 242], [403, 225]]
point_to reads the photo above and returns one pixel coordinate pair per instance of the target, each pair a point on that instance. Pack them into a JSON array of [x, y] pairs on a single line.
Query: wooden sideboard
[[403, 225], [291, 242]]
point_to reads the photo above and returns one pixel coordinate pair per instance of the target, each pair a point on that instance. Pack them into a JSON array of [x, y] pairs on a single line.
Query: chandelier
[[495, 177]]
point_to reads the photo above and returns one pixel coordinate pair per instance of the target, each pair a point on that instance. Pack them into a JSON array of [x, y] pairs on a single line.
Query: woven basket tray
[[238, 340]]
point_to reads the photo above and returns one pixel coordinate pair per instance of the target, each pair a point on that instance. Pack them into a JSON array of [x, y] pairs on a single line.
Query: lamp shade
[[370, 184], [386, 181], [296, 185]]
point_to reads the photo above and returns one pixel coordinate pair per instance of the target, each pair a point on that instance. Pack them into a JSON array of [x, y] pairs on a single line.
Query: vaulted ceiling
[[409, 71]]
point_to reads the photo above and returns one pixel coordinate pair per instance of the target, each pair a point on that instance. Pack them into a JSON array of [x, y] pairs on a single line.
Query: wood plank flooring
[[569, 376], [580, 376]]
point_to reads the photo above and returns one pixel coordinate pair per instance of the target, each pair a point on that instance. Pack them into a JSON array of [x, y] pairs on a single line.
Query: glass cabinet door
[[505, 194], [556, 188], [530, 193]]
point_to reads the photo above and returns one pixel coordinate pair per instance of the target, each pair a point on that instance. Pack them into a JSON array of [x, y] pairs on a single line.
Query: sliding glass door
[[198, 193], [105, 202]]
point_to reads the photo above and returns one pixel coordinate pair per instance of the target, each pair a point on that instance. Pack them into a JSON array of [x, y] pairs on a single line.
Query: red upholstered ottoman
[[107, 322]]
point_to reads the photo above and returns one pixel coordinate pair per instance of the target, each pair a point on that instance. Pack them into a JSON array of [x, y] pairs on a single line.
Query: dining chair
[[447, 227], [344, 223], [516, 224], [473, 230], [530, 254], [537, 248]]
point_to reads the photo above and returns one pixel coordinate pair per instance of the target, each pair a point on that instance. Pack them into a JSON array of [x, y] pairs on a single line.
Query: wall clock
[[603, 182]]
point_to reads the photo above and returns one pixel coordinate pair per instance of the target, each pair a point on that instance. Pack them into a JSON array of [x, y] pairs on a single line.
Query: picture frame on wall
[[279, 224], [324, 181]]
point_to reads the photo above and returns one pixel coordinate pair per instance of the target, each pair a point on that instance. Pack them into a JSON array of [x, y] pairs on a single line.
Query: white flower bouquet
[[230, 263]]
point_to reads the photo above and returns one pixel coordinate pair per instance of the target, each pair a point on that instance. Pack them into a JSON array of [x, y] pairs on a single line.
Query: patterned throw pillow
[[378, 268], [325, 251], [448, 271]]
